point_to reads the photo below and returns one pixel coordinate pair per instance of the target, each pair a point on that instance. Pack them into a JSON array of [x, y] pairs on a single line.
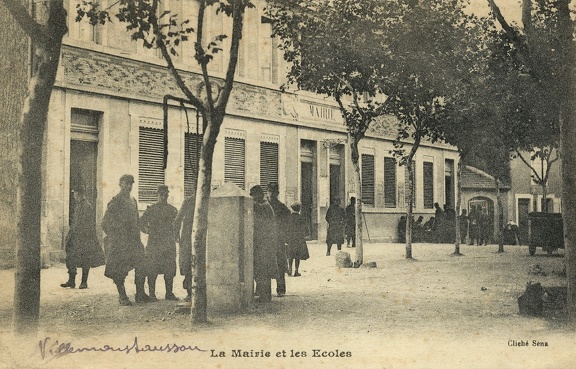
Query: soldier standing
[[124, 250], [157, 221], [82, 245]]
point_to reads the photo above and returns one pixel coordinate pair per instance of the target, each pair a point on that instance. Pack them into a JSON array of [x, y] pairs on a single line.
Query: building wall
[[124, 87], [524, 188], [14, 58]]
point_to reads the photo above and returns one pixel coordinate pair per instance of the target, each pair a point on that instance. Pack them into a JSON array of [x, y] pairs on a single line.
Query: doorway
[[83, 156], [83, 159], [308, 187]]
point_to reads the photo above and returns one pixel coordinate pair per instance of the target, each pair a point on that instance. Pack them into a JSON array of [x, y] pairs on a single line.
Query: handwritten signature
[[54, 349]]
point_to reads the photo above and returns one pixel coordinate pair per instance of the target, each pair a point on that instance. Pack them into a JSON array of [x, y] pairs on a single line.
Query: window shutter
[[406, 184], [150, 163], [192, 144], [235, 161], [268, 163], [367, 179], [389, 182], [428, 185]]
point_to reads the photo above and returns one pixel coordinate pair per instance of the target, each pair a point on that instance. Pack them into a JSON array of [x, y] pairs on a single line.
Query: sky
[[510, 8]]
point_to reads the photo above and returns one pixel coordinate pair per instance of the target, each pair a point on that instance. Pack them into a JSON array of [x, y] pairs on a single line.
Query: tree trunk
[[33, 123], [568, 151], [359, 259], [544, 197], [199, 311], [458, 206], [410, 206], [500, 215]]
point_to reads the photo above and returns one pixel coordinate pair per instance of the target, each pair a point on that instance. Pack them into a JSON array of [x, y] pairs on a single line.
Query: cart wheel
[[532, 250]]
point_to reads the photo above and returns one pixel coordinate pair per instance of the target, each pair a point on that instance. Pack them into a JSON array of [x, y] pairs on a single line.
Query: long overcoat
[[158, 221], [124, 250], [297, 248], [265, 242], [183, 231], [335, 216], [82, 246], [281, 214]]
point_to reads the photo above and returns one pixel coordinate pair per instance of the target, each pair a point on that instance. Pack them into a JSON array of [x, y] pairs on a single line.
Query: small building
[[479, 192]]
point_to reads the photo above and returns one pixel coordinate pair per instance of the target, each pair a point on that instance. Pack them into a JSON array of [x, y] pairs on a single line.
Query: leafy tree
[[538, 60], [394, 53], [46, 27], [348, 68], [432, 58], [476, 116], [165, 32], [549, 33]]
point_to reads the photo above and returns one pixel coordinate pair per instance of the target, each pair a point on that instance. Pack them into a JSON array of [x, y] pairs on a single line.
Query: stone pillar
[[229, 264]]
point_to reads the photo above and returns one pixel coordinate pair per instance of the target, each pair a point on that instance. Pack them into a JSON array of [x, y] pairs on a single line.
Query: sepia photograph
[[288, 184]]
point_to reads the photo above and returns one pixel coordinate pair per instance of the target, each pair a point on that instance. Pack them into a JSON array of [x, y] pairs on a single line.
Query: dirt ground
[[436, 311]]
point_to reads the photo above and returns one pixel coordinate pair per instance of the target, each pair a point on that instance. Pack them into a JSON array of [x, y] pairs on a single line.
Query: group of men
[[123, 248], [278, 240], [166, 226]]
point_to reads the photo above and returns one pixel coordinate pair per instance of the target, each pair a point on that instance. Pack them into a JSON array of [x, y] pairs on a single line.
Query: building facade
[[526, 195], [107, 118]]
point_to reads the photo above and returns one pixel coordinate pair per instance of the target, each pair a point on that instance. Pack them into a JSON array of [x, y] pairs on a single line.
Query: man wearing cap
[[281, 215], [157, 222], [124, 250], [82, 246]]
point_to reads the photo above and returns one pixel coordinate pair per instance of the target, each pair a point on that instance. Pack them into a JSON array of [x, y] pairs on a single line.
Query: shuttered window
[[192, 144], [407, 184], [389, 182], [428, 178], [368, 179], [150, 163], [235, 161], [268, 163]]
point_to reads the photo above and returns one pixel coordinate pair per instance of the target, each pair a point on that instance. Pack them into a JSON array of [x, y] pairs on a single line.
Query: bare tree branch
[[237, 25], [162, 46]]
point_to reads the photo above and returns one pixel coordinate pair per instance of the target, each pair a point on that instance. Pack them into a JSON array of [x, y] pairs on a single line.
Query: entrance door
[[83, 158], [307, 181], [335, 175], [523, 211], [308, 187]]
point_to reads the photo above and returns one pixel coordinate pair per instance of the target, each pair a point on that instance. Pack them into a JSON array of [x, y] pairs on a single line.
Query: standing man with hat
[[82, 245], [124, 250], [281, 215], [157, 221]]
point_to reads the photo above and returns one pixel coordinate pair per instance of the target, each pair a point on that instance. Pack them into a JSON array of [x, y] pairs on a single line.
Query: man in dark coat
[[265, 265], [296, 246], [463, 225], [282, 215], [82, 246], [157, 221], [335, 217], [183, 231], [124, 250], [351, 223]]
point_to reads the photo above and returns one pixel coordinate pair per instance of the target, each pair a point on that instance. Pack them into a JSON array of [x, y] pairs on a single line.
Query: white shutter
[[150, 163]]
